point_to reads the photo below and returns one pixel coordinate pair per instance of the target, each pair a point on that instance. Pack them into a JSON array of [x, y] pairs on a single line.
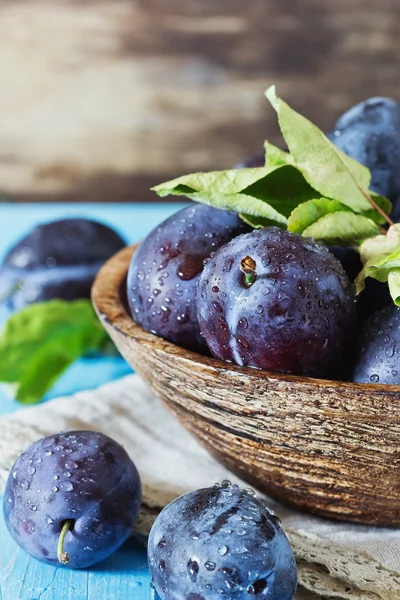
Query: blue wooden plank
[[124, 575]]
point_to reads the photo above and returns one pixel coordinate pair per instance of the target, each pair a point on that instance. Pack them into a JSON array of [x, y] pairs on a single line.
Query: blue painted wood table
[[124, 576]]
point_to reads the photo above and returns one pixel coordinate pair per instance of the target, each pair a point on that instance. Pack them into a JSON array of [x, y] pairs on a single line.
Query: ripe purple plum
[[370, 133], [163, 274], [277, 301], [379, 348], [59, 259], [220, 542], [257, 160], [72, 498]]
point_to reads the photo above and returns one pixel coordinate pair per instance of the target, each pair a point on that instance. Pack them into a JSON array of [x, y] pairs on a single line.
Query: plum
[[370, 133], [163, 274], [220, 542], [278, 301], [77, 490], [379, 348], [257, 160], [350, 259], [375, 295], [59, 259]]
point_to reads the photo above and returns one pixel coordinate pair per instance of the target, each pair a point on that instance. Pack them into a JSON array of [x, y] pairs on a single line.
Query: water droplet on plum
[[217, 306]]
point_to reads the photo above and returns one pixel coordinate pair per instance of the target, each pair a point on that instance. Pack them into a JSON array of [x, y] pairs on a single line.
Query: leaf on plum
[[328, 170], [380, 256], [310, 212], [274, 156]]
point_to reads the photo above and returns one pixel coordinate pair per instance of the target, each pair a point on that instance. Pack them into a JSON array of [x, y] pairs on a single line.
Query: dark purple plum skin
[[349, 258], [370, 133], [378, 358], [164, 271], [220, 542], [83, 476], [257, 160], [297, 317], [59, 259], [375, 296]]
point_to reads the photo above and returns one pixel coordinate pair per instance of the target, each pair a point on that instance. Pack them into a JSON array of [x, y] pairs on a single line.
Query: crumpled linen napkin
[[335, 560]]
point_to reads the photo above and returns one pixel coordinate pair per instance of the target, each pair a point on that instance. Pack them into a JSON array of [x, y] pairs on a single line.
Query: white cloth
[[335, 560]]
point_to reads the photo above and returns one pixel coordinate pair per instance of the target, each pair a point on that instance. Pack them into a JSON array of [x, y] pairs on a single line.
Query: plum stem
[[63, 557], [248, 268]]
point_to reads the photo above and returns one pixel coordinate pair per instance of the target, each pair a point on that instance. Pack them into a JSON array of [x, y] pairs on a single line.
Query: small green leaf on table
[[41, 341]]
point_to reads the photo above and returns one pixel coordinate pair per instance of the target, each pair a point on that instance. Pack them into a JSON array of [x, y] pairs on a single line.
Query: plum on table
[[72, 498], [59, 259], [277, 301], [370, 133], [163, 274], [379, 348], [220, 542]]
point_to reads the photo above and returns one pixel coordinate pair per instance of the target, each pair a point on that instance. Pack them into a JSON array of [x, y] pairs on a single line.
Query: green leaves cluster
[[41, 341], [381, 259], [314, 189]]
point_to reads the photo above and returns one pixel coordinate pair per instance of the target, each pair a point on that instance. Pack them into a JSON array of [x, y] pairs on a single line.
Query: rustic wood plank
[[99, 100]]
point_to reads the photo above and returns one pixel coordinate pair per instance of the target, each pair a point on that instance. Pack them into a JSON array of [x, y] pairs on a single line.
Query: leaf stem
[[63, 557], [376, 206]]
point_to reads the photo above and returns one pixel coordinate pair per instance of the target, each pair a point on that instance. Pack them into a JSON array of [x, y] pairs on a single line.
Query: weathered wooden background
[[101, 99]]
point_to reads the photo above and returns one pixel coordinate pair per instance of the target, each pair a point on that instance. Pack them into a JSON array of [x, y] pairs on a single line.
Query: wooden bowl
[[329, 447]]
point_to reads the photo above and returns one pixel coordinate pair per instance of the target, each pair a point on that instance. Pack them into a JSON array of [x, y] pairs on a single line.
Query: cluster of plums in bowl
[[268, 298]]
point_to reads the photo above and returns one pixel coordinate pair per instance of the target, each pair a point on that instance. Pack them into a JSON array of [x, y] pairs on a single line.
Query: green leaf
[[275, 157], [341, 228], [328, 170], [241, 203], [372, 251], [270, 195], [283, 189], [259, 222], [383, 203], [380, 255], [309, 212], [394, 285], [40, 342], [314, 170], [215, 182], [228, 190]]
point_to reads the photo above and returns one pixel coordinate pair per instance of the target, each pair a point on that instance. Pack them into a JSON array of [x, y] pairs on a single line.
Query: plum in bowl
[[324, 446]]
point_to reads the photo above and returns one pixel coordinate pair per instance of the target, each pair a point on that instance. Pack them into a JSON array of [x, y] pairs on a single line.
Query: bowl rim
[[109, 305]]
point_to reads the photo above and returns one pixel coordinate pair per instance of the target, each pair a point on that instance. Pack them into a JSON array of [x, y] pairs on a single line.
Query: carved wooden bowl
[[331, 448]]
